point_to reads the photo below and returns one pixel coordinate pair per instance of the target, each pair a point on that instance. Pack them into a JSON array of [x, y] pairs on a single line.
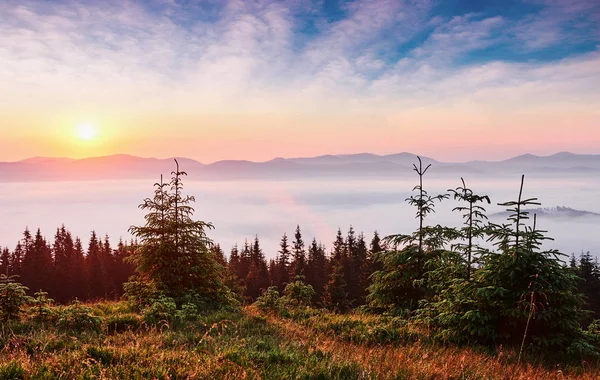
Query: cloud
[[386, 57]]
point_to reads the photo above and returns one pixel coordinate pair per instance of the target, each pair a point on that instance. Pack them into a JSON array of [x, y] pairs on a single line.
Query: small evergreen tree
[[474, 217], [283, 263], [298, 265], [13, 296], [173, 255], [402, 282]]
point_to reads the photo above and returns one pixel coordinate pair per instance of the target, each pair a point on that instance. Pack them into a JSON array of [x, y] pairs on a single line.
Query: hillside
[[249, 343]]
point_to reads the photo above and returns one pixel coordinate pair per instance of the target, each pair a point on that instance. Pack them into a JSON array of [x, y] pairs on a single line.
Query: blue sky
[[273, 73]]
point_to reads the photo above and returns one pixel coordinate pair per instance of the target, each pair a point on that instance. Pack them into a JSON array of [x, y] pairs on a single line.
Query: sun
[[87, 132]]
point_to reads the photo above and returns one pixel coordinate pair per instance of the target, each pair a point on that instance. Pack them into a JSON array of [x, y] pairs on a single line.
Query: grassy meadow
[[110, 341]]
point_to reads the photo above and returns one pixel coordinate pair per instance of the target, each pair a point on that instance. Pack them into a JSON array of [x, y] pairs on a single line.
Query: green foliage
[[298, 293], [78, 317], [269, 300], [336, 296], [521, 295], [13, 370], [474, 217], [188, 312], [42, 306], [160, 312], [174, 255], [402, 283], [13, 296]]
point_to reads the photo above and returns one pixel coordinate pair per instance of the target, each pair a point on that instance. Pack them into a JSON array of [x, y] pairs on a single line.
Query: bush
[[269, 300], [78, 317], [42, 309], [298, 293], [161, 311], [13, 296], [188, 312]]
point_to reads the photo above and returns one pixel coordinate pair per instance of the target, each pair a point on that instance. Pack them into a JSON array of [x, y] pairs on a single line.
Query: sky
[[211, 80]]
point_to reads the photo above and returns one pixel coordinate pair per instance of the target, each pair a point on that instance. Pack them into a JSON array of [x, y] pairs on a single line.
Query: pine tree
[[234, 260], [474, 217], [37, 263], [5, 262], [315, 270], [122, 268], [283, 263], [362, 264], [95, 269], [374, 258], [588, 284], [402, 283], [520, 294], [79, 272], [298, 265], [336, 296], [356, 261], [174, 254], [16, 260], [339, 247], [63, 257], [217, 251], [258, 276]]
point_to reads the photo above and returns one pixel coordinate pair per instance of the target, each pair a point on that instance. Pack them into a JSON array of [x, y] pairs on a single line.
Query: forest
[[484, 300]]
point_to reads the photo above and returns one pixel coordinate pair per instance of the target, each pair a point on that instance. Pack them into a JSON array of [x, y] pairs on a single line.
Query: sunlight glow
[[87, 132]]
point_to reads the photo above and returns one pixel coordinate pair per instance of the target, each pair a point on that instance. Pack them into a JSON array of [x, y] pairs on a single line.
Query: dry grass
[[419, 360], [245, 345]]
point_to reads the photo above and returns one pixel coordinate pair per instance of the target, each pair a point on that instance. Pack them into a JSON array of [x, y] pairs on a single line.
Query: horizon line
[[24, 160]]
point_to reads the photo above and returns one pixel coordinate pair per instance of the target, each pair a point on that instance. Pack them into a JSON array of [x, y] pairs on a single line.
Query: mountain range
[[345, 165], [559, 212]]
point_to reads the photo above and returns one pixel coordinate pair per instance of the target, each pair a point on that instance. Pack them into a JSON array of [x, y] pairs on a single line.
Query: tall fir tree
[[94, 268], [283, 263], [5, 262], [316, 270], [298, 255]]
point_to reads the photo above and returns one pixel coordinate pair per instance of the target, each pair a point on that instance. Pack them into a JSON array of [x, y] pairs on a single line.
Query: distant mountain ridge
[[123, 166], [555, 212]]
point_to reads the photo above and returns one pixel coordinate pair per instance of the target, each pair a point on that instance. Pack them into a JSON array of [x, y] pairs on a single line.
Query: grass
[[250, 344]]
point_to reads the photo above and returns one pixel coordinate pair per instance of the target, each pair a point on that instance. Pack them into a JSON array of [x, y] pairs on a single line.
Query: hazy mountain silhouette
[[558, 212], [367, 165]]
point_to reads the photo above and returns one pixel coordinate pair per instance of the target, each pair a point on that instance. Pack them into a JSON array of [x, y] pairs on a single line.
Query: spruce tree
[[283, 263], [37, 263], [78, 275], [173, 255], [5, 262], [95, 276], [299, 255], [336, 296], [474, 218], [315, 270], [16, 260], [402, 283]]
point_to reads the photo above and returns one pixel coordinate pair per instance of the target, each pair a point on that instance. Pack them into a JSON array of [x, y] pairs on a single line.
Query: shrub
[[188, 312], [298, 293], [269, 300], [43, 311], [78, 317], [13, 296], [161, 311]]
